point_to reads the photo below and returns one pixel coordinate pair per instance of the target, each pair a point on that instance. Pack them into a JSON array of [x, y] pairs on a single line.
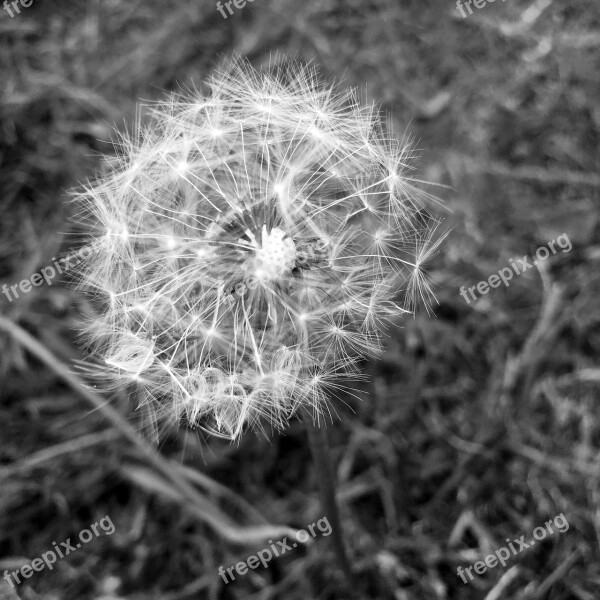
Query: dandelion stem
[[320, 450]]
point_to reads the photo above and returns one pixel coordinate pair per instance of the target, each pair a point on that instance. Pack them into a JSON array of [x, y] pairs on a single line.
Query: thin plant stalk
[[197, 504], [318, 440]]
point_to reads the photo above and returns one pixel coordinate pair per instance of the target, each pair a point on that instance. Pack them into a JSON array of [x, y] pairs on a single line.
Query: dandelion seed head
[[259, 239]]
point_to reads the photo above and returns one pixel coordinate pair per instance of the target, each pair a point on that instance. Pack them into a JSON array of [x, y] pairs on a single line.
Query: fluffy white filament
[[257, 239]]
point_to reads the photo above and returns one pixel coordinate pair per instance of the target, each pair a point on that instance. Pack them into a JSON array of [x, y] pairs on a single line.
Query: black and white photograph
[[299, 300]]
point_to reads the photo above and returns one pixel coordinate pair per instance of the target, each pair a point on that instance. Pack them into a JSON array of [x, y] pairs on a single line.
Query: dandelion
[[258, 239]]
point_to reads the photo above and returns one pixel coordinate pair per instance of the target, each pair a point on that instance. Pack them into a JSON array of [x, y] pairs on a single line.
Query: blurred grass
[[477, 425]]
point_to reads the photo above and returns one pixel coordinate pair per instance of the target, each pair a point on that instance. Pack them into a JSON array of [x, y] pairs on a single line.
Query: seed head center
[[275, 255]]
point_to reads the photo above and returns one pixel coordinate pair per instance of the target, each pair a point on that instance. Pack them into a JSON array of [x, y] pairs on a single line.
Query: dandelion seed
[[259, 240]]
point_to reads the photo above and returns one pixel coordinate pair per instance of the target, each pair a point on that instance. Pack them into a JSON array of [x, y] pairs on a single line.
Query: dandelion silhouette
[[257, 239]]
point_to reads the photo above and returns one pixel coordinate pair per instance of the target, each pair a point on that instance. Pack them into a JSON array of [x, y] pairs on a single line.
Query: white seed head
[[257, 240]]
